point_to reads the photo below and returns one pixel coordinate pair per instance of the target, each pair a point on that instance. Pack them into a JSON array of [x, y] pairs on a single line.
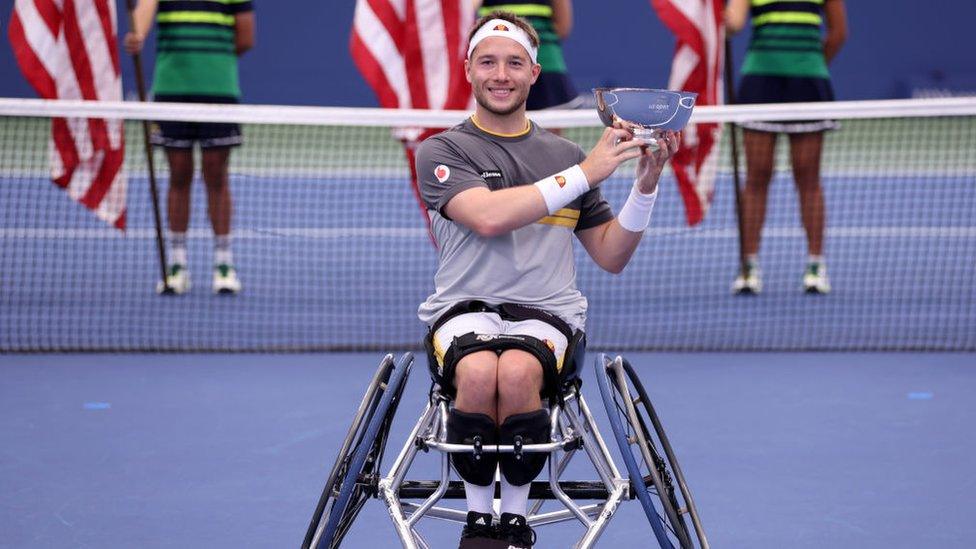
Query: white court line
[[419, 233]]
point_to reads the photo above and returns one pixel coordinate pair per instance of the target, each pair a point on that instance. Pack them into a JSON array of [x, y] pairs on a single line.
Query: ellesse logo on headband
[[501, 28]]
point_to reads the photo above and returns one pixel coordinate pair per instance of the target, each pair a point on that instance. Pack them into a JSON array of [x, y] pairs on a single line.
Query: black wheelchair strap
[[511, 312]]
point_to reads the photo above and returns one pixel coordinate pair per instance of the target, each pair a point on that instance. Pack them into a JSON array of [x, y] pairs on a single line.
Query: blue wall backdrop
[[896, 48]]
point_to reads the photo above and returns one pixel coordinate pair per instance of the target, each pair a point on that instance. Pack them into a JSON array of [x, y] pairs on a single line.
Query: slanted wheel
[[353, 478], [655, 476]]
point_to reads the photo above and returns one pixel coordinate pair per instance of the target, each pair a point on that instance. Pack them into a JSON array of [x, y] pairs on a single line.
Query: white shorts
[[492, 324]]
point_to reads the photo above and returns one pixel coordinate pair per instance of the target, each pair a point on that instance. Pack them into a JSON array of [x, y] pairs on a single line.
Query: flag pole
[[730, 99], [141, 87]]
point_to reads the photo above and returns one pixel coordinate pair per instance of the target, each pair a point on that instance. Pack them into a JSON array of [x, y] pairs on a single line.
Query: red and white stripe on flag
[[411, 52], [67, 49], [697, 67]]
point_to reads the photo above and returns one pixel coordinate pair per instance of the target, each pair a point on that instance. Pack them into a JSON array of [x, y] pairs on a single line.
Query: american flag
[[696, 67], [411, 52], [67, 49]]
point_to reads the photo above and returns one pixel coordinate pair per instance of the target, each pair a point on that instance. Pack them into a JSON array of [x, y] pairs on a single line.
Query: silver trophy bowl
[[646, 112]]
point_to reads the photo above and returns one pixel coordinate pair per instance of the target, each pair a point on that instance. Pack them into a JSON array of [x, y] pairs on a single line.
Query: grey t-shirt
[[533, 265]]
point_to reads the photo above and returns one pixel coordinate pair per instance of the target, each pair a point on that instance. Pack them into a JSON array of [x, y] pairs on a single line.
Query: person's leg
[[520, 381], [178, 218], [805, 153], [760, 148], [521, 415], [215, 161], [215, 174], [178, 200], [474, 414]]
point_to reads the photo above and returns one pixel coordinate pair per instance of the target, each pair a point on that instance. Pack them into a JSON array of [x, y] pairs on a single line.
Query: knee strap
[[468, 428], [529, 428]]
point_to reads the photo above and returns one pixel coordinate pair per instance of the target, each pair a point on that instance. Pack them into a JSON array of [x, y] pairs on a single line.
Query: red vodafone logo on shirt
[[442, 172]]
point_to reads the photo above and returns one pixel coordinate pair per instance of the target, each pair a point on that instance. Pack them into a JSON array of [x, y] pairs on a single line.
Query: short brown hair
[[511, 18]]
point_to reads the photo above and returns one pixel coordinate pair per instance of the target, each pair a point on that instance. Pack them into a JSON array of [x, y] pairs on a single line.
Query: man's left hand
[[652, 162]]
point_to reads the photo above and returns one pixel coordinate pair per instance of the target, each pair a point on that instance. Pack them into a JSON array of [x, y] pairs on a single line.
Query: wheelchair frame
[[355, 476]]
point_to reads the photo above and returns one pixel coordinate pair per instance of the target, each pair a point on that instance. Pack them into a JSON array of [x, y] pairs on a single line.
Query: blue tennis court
[[780, 450]]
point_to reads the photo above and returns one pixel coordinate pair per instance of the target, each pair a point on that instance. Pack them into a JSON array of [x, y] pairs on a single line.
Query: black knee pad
[[531, 428], [465, 428]]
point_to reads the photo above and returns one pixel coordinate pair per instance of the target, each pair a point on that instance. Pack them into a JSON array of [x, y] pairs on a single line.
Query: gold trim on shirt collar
[[528, 126]]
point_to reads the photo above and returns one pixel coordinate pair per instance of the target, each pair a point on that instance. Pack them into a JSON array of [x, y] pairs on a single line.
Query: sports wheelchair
[[653, 475]]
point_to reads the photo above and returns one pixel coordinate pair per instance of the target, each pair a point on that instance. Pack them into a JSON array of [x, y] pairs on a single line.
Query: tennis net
[[334, 254]]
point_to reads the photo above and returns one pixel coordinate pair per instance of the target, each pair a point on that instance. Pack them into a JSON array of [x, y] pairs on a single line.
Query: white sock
[[479, 497], [818, 259], [515, 499], [222, 253], [177, 245], [752, 259]]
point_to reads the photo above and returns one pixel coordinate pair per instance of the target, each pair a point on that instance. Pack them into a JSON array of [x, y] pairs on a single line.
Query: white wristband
[[561, 188], [636, 213]]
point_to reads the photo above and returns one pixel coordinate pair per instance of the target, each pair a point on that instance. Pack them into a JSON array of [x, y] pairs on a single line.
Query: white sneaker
[[178, 280], [815, 279], [749, 282], [225, 280]]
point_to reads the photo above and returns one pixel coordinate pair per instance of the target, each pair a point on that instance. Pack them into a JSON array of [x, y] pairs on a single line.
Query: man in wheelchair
[[505, 198]]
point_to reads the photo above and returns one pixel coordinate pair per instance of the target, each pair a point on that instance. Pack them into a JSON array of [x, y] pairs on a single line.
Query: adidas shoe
[[178, 280], [748, 282], [478, 532], [513, 530], [815, 279], [225, 280]]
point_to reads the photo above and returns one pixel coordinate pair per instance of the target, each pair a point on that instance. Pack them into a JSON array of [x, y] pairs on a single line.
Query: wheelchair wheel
[[656, 477], [360, 456]]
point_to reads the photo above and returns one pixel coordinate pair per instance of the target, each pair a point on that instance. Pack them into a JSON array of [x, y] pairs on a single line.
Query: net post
[[730, 99], [157, 219]]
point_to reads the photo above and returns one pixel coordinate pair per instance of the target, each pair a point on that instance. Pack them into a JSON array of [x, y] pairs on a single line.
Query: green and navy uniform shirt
[[539, 14], [786, 39], [533, 265], [195, 51]]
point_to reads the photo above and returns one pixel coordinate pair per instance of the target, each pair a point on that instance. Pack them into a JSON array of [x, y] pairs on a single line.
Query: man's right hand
[[616, 146], [133, 43]]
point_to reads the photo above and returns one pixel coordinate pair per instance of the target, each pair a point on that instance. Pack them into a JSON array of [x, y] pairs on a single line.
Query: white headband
[[505, 29]]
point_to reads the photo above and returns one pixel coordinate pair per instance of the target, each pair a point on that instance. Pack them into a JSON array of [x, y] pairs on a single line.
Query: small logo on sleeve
[[561, 181], [442, 172], [491, 174]]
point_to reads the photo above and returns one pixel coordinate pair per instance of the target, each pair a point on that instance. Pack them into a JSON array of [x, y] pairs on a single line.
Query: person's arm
[[610, 244], [142, 18], [491, 213], [562, 17], [736, 13], [836, 16], [243, 31]]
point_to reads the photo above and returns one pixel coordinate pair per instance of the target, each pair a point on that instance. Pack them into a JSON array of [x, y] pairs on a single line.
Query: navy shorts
[[756, 88], [552, 90], [182, 135]]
